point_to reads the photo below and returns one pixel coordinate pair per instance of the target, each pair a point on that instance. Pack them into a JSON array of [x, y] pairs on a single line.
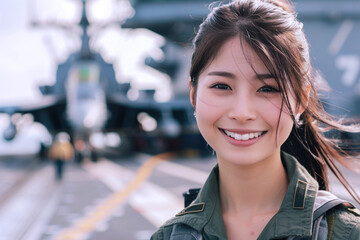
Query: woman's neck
[[252, 190]]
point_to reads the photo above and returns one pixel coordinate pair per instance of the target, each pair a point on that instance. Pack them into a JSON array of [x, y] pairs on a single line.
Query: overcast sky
[[29, 56]]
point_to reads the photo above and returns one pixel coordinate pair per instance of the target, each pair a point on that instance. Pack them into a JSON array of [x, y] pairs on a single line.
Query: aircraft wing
[[49, 111]]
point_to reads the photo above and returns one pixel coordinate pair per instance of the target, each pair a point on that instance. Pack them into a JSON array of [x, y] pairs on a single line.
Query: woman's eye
[[268, 89], [221, 86]]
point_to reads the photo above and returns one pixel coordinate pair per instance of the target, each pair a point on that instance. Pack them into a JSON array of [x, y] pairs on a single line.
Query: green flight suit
[[294, 217]]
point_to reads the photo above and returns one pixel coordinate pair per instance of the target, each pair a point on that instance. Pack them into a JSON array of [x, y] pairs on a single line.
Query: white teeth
[[243, 137]]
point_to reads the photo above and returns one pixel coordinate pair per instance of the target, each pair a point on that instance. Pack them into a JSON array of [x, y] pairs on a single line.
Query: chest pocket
[[181, 232]]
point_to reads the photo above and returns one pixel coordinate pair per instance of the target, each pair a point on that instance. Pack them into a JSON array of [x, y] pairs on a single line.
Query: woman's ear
[[191, 88]]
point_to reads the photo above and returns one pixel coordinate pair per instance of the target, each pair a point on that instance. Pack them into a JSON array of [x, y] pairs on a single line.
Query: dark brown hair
[[271, 29]]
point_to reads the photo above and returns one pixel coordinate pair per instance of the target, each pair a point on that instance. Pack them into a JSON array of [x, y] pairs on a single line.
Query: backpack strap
[[323, 203], [320, 228], [181, 232], [327, 206]]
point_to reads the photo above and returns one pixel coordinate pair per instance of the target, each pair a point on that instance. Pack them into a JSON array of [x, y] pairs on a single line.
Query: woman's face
[[238, 107]]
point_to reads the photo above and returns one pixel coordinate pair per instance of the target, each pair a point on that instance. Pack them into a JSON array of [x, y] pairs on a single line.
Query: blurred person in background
[[255, 96], [61, 152]]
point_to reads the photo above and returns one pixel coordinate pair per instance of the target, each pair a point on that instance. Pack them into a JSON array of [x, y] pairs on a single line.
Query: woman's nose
[[242, 108]]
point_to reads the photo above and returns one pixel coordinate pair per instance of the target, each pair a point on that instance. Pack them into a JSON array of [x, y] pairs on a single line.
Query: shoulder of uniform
[[187, 216], [347, 213], [346, 222], [350, 208]]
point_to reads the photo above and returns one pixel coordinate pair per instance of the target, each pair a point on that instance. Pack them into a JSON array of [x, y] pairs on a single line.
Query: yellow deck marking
[[87, 224]]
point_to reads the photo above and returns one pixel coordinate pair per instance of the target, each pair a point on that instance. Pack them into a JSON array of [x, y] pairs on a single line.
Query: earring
[[297, 118], [194, 114]]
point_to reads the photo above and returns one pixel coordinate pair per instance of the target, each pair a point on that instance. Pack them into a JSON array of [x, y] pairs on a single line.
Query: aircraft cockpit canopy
[[84, 80]]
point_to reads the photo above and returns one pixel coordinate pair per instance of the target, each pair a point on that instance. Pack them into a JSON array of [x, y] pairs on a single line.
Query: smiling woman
[[255, 95]]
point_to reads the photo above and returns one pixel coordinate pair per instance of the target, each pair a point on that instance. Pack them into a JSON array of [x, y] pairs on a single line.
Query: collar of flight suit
[[294, 217]]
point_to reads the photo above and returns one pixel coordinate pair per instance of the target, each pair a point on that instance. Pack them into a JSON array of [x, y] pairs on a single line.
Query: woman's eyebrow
[[264, 76], [221, 74], [258, 76]]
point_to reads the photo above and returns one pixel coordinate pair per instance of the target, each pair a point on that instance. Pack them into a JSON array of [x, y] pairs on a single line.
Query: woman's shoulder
[[345, 221]]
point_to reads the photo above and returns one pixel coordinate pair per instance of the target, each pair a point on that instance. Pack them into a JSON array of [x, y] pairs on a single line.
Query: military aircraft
[[86, 99]]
